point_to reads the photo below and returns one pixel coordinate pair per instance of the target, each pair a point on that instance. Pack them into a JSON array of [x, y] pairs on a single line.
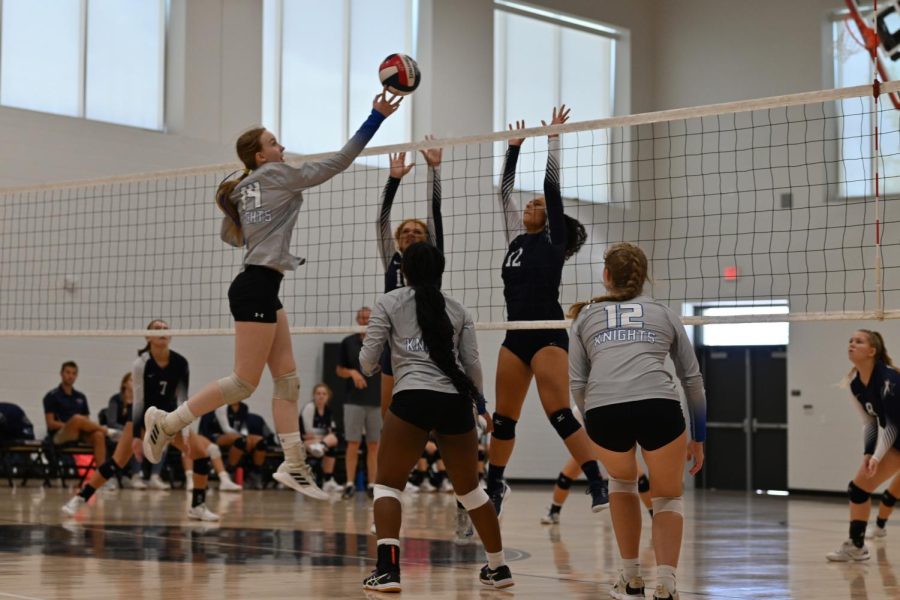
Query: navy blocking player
[[875, 385], [261, 209], [438, 384], [540, 240], [620, 342]]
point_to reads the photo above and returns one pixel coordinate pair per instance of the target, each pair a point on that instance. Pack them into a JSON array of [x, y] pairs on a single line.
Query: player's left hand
[[695, 451], [560, 116], [386, 106], [871, 466]]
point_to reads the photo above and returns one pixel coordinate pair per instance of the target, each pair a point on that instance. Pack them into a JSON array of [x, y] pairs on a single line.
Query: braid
[[627, 267], [423, 266], [437, 335]]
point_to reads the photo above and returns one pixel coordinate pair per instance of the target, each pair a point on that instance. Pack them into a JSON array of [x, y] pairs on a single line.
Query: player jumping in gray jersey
[[437, 385], [261, 209], [618, 378]]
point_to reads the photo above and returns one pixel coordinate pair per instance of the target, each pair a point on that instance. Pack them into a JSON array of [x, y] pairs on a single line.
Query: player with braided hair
[[437, 374], [541, 238], [620, 342]]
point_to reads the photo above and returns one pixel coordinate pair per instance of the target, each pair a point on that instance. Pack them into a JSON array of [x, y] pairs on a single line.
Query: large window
[[320, 68], [543, 59], [852, 66], [763, 333], [99, 59]]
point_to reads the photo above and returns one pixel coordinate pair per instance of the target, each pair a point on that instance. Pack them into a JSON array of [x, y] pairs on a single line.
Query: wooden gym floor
[[275, 544]]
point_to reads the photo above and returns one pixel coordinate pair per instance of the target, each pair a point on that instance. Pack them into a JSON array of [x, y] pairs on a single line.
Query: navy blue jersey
[[64, 406], [118, 414], [879, 401], [14, 424], [390, 258], [532, 267], [164, 388]]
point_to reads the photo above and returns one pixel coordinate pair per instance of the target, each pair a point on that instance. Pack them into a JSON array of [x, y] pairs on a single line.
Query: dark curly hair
[[576, 236]]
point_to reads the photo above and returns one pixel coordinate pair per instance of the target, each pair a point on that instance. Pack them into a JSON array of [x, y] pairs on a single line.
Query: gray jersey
[[269, 199], [617, 354], [394, 321]]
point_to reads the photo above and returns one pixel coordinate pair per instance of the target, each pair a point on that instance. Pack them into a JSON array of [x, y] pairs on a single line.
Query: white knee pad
[[675, 505], [287, 387], [623, 486], [234, 389], [383, 491], [213, 451], [474, 499]]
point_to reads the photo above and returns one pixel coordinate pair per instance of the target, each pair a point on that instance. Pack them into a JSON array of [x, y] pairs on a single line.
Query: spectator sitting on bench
[[14, 424], [68, 416], [317, 429], [118, 415]]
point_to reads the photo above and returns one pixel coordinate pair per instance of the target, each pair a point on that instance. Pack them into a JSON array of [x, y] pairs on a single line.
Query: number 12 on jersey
[[624, 315]]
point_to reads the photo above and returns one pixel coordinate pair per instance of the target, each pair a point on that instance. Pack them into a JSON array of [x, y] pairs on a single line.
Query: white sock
[[178, 419], [631, 567], [495, 559], [294, 453], [665, 575]]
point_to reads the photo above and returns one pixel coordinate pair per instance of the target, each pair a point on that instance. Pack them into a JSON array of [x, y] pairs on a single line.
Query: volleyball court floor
[[276, 544]]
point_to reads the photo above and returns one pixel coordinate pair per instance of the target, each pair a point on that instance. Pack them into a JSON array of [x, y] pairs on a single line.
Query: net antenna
[[885, 34]]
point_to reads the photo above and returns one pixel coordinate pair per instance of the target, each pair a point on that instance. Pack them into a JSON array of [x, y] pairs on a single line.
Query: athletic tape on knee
[[857, 494], [563, 482], [234, 389], [287, 387], [623, 486], [241, 443], [504, 427], [108, 469], [643, 484], [675, 505], [474, 499], [202, 466], [383, 491], [213, 451], [888, 499], [564, 422]]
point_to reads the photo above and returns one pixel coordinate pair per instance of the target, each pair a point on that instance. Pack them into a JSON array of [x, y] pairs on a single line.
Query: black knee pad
[[108, 469], [888, 499], [437, 454], [331, 451], [504, 427], [857, 494], [564, 422], [643, 484], [481, 455], [241, 443], [563, 482], [202, 466]]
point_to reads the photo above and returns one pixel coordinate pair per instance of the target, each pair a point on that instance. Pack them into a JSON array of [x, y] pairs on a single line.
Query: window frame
[[619, 86], [271, 109], [83, 32]]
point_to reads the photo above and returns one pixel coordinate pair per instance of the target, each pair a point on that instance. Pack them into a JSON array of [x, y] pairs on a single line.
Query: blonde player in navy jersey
[[875, 385], [160, 378], [261, 208], [618, 378], [438, 384], [540, 240], [410, 231]]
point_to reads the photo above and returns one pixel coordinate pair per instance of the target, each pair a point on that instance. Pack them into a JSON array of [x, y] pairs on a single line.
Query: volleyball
[[400, 74]]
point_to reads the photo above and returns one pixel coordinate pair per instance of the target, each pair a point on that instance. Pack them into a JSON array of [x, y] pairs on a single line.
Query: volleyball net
[[771, 201]]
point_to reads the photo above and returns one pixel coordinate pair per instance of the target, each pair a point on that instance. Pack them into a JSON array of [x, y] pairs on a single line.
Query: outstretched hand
[[560, 116], [386, 106], [516, 141], [399, 168], [432, 155]]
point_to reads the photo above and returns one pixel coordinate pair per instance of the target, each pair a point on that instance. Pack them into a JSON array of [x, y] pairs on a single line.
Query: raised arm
[[552, 195], [434, 221], [511, 213], [314, 173], [399, 168]]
